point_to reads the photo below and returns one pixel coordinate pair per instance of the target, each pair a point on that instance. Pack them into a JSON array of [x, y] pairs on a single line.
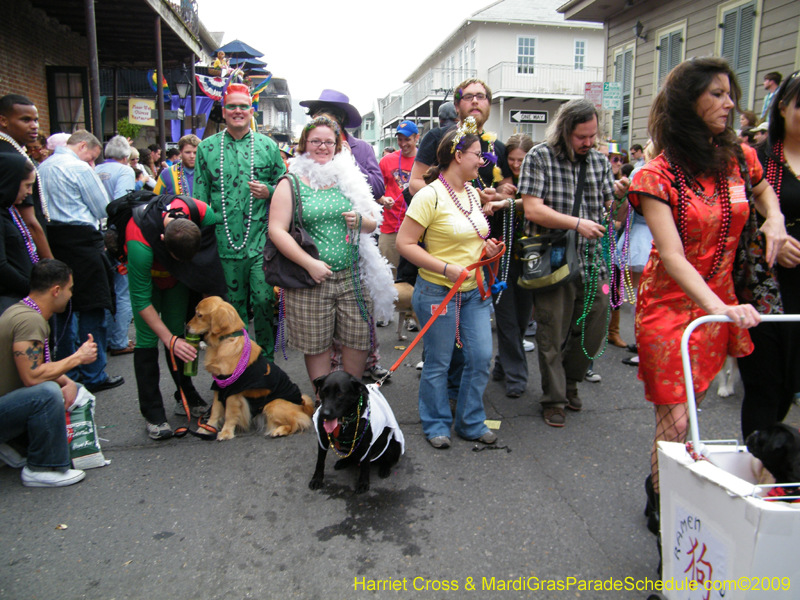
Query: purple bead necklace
[[240, 367], [29, 302], [463, 210], [26, 233]]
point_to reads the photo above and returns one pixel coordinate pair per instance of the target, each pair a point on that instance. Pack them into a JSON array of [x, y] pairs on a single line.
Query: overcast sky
[[364, 49]]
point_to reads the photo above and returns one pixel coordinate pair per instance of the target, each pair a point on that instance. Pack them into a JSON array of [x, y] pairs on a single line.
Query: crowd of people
[[666, 226]]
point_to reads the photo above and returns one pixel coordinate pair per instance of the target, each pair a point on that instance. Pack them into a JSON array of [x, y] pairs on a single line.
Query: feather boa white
[[343, 172]]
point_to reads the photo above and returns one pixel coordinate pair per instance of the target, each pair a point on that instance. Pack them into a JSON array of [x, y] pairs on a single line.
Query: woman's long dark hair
[[676, 127], [787, 96], [445, 155]]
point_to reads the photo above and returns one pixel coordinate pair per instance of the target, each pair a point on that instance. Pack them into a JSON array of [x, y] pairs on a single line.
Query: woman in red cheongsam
[[693, 198]]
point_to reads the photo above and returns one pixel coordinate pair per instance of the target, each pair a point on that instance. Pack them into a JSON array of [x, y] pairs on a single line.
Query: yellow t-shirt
[[450, 235]]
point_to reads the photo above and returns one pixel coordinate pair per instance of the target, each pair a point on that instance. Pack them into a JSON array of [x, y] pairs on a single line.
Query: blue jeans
[[89, 321], [117, 325], [476, 335], [38, 411]]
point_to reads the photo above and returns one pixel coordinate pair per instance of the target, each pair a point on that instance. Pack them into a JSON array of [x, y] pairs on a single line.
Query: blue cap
[[407, 128]]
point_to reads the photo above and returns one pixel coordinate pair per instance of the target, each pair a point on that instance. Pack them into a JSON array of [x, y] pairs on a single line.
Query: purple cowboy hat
[[337, 99]]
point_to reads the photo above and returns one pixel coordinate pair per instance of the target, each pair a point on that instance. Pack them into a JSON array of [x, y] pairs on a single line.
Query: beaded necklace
[[775, 167], [183, 183], [624, 271], [333, 442], [26, 234], [724, 193], [591, 270], [222, 189], [280, 338], [509, 219], [31, 303], [21, 150], [463, 210], [352, 238], [244, 358]]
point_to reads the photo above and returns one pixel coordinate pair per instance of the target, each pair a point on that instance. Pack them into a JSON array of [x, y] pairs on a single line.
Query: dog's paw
[[281, 431], [315, 484], [725, 391], [225, 434], [340, 464], [362, 487], [384, 472]]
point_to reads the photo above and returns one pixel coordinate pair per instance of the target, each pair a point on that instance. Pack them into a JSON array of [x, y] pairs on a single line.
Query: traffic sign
[[527, 116], [612, 95], [593, 91]]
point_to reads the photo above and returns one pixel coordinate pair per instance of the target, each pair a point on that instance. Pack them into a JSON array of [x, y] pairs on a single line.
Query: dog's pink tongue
[[330, 425]]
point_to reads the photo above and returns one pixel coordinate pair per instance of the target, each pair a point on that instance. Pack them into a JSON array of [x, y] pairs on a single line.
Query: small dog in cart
[[246, 384], [777, 447], [357, 423]]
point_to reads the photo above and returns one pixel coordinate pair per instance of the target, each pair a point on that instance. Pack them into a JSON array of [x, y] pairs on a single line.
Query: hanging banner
[[213, 87], [140, 111]]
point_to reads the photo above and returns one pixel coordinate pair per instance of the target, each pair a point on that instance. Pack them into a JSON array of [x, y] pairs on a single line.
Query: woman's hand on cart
[[742, 315]]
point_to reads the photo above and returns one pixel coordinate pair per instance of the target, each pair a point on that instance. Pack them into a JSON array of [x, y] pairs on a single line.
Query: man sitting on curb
[[35, 392]]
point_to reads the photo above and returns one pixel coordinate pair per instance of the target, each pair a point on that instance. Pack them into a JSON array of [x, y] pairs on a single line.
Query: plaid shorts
[[314, 316]]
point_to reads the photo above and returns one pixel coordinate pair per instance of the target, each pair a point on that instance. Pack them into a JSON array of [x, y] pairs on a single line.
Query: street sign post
[[527, 116], [593, 91], [612, 95]]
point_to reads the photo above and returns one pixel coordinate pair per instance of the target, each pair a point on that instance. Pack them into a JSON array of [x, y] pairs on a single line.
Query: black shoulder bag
[[551, 260], [279, 270]]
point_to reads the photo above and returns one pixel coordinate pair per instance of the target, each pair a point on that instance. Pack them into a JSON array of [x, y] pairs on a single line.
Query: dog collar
[[231, 335]]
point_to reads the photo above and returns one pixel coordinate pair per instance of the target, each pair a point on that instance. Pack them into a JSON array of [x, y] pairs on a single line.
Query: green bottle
[[190, 368]]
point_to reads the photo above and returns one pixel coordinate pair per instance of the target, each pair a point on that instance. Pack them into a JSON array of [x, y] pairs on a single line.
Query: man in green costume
[[250, 165]]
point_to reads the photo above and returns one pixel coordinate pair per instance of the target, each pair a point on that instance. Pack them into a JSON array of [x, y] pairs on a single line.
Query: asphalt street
[[186, 518]]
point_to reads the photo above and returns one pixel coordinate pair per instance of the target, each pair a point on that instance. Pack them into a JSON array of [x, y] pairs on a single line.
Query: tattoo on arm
[[34, 354]]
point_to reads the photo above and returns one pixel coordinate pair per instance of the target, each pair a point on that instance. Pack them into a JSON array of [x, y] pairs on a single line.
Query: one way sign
[[528, 116]]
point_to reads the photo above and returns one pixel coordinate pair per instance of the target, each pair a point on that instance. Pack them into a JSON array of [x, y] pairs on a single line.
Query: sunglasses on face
[[243, 107], [615, 159]]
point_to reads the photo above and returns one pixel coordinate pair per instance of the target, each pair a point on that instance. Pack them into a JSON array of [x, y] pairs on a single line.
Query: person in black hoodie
[[17, 250]]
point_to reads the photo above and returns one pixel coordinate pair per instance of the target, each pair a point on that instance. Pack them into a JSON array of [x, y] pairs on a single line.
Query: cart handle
[[687, 368]]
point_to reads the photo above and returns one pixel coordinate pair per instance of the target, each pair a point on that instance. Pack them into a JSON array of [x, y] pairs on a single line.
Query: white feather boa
[[343, 172]]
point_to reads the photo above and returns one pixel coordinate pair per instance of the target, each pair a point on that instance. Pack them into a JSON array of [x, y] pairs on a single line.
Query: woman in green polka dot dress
[[336, 202]]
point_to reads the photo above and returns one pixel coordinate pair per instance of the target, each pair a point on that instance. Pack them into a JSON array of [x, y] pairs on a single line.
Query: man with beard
[[19, 126], [549, 181], [237, 170], [472, 98], [179, 178]]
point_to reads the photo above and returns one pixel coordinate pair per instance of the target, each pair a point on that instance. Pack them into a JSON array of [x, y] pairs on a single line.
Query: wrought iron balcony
[[509, 78], [433, 84]]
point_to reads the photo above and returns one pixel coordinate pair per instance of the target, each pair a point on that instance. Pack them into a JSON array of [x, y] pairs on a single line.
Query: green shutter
[[663, 59], [738, 37]]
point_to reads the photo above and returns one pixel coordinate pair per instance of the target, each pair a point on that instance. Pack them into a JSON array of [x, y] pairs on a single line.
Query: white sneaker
[[528, 346], [51, 478], [419, 366], [159, 431]]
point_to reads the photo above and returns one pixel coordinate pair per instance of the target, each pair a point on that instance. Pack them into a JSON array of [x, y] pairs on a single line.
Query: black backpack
[[119, 213]]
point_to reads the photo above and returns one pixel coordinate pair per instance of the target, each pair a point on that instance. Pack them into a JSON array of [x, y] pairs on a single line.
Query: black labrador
[[778, 448], [345, 425]]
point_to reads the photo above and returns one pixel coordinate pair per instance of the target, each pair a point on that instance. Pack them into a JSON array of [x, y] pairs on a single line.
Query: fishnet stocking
[[672, 424]]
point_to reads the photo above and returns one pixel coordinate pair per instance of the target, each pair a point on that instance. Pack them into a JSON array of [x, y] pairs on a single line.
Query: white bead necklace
[[222, 189], [22, 151]]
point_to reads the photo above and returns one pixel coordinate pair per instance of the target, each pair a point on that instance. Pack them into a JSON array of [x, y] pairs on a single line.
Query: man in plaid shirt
[[548, 182]]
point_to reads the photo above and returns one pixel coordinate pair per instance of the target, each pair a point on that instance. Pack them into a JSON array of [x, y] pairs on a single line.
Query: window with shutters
[[623, 73], [739, 24], [526, 55], [580, 54], [670, 51]]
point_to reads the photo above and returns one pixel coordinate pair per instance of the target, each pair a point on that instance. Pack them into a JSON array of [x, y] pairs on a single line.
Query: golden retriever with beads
[[262, 389]]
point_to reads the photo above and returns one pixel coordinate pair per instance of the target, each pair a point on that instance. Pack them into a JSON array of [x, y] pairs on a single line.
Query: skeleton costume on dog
[[343, 172], [379, 416]]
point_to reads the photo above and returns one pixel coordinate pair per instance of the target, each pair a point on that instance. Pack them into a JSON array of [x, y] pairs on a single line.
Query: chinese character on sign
[[698, 569]]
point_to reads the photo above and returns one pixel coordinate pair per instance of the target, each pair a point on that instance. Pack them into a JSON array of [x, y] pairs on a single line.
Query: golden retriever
[[219, 322]]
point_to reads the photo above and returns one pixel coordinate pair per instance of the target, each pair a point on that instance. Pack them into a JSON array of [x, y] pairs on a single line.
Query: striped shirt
[[75, 192], [555, 181]]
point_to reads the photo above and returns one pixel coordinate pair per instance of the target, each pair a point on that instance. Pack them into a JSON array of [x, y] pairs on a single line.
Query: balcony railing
[[433, 84], [563, 80], [187, 11]]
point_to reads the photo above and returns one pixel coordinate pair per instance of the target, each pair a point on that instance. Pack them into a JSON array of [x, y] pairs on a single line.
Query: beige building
[[645, 40]]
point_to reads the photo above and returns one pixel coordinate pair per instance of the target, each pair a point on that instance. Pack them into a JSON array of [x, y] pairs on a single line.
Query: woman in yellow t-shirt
[[447, 217]]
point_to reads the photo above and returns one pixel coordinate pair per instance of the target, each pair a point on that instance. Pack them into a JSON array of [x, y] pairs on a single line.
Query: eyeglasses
[[318, 143], [469, 97], [242, 107], [615, 159], [475, 152]]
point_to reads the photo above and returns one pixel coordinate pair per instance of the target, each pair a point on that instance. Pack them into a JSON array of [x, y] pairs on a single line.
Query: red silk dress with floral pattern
[[663, 310]]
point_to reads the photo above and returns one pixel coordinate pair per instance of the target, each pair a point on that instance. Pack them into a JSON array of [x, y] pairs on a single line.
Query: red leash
[[484, 292], [182, 431]]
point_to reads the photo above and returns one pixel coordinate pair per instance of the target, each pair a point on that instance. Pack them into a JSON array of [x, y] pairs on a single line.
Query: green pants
[[247, 288], [171, 305]]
